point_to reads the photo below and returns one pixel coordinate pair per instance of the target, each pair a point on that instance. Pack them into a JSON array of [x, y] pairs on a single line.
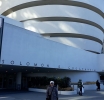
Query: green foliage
[[64, 82], [44, 81]]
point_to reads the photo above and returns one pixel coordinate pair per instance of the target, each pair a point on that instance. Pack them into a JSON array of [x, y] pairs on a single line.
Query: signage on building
[[12, 62]]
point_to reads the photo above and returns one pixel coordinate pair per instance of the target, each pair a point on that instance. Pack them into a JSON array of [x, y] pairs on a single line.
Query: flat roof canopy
[[29, 69]]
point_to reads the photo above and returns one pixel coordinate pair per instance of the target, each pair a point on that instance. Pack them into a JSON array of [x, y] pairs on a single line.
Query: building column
[[18, 81]]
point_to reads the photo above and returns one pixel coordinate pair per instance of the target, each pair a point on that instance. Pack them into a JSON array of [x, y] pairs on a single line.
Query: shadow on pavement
[[8, 91]]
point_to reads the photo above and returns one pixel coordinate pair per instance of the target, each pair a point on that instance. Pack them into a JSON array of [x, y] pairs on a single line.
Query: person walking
[[80, 86], [98, 85], [52, 92]]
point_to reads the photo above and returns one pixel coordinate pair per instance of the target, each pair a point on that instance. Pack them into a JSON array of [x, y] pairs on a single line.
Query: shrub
[[44, 81]]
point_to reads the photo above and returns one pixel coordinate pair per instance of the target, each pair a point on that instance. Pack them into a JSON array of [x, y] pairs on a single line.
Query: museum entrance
[[7, 81]]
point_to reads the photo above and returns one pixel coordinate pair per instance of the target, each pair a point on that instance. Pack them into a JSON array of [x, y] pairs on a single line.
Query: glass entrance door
[[1, 81], [24, 85], [9, 82]]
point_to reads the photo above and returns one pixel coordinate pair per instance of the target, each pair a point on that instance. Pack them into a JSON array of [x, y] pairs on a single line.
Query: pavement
[[25, 95]]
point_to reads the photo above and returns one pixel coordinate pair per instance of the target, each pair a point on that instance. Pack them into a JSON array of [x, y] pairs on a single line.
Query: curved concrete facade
[[77, 23], [29, 53]]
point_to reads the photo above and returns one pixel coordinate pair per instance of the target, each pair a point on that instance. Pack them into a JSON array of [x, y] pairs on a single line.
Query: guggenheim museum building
[[53, 38]]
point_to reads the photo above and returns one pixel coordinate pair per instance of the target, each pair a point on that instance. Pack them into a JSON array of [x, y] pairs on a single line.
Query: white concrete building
[[52, 38]]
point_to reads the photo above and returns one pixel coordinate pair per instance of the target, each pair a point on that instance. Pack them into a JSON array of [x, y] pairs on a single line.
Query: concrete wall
[[101, 62], [29, 14], [90, 87], [93, 3], [7, 4], [12, 22], [24, 46]]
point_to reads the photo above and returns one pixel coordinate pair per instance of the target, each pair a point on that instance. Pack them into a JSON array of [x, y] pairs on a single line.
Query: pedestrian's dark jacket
[[80, 85], [54, 95], [97, 83]]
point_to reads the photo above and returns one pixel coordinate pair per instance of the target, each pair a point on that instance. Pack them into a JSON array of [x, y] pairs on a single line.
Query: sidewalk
[[89, 95]]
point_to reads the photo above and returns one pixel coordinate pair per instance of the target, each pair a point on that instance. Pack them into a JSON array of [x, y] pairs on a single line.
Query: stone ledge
[[59, 92]]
